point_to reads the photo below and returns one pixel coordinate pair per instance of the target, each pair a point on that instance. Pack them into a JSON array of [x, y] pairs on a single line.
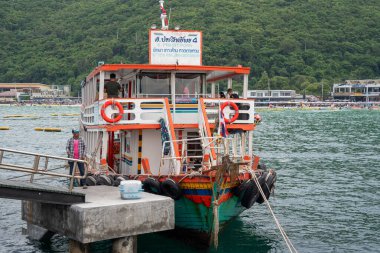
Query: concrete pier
[[104, 216]]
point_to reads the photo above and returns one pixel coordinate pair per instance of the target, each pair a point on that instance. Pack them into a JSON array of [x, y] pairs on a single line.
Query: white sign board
[[175, 47]]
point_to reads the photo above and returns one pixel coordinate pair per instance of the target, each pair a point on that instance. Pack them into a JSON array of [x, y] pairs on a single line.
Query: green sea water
[[326, 196]]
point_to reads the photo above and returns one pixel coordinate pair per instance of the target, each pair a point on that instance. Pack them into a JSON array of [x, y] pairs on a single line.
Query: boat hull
[[199, 217], [201, 199], [204, 203]]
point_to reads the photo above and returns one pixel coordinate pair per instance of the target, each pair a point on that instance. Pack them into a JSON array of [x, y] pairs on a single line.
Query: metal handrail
[[212, 140], [35, 169]]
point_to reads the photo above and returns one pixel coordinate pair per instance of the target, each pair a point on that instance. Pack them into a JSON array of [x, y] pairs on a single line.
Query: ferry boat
[[169, 129]]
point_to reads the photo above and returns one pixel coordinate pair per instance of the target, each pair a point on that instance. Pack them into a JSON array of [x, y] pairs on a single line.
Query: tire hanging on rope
[[171, 189], [151, 185], [267, 185], [252, 193]]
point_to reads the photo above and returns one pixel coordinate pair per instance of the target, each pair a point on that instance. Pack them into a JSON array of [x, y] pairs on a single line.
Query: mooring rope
[[216, 223], [219, 188], [289, 244]]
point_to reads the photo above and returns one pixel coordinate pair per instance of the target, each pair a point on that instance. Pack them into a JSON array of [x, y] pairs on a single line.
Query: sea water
[[326, 196]]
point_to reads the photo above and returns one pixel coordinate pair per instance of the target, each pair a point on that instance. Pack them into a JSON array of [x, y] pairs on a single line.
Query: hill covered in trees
[[289, 44]]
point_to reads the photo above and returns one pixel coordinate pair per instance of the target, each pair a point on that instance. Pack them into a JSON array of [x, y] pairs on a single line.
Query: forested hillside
[[295, 44]]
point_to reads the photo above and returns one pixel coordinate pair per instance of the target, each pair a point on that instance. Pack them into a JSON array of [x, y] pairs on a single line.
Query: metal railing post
[[35, 167], [1, 156], [46, 163], [72, 176]]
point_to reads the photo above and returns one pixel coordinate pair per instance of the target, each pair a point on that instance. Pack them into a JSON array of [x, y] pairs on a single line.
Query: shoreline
[[260, 105], [21, 105]]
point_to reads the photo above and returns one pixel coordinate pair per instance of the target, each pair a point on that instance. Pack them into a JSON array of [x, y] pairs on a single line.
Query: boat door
[[113, 155]]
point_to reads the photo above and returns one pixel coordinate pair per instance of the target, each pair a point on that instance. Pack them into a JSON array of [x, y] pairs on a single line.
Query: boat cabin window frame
[[189, 87], [148, 86]]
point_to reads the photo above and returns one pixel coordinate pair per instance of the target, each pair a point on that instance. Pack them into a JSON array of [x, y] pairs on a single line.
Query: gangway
[[16, 189]]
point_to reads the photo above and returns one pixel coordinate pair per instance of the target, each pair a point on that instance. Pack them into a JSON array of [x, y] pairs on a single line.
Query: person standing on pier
[[75, 149]]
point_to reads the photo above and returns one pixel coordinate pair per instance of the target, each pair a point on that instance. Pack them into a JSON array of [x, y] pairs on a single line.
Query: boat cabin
[[158, 104]]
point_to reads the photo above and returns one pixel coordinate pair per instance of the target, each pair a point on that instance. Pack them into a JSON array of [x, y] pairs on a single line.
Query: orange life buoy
[[257, 118], [118, 105], [236, 109]]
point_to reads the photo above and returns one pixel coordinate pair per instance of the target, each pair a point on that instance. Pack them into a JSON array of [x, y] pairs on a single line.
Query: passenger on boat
[[221, 95], [186, 92], [231, 95], [112, 87], [75, 148]]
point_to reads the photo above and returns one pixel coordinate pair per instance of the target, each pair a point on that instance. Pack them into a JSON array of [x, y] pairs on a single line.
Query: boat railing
[[205, 132], [149, 110], [36, 168], [217, 142], [146, 95], [173, 141], [177, 95], [135, 111], [246, 110]]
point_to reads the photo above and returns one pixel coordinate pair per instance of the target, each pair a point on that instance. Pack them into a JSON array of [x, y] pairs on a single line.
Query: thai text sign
[[175, 47]]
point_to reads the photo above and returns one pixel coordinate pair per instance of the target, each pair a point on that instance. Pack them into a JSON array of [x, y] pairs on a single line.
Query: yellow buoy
[[52, 129], [14, 116], [4, 128], [70, 114], [19, 116], [48, 129]]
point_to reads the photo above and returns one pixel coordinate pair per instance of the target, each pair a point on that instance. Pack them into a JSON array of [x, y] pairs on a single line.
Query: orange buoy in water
[[257, 118]]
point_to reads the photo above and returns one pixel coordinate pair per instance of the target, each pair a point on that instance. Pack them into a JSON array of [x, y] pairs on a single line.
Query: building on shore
[[272, 95], [34, 92], [357, 90]]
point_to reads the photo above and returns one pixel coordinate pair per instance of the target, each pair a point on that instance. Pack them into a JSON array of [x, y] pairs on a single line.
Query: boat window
[[155, 84], [188, 85]]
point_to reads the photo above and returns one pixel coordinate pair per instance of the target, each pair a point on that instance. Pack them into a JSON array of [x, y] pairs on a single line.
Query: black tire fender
[[268, 185], [151, 185], [104, 180], [239, 190], [118, 181], [91, 180], [171, 189], [250, 195]]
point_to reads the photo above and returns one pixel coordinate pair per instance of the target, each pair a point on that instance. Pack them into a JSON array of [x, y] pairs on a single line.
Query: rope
[[216, 222], [217, 192], [190, 175], [289, 244]]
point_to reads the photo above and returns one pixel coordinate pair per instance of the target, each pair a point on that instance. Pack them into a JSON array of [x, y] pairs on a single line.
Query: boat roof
[[213, 73]]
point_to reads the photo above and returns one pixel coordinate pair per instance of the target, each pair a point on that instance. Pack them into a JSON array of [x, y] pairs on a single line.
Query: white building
[[357, 90], [272, 95], [34, 91]]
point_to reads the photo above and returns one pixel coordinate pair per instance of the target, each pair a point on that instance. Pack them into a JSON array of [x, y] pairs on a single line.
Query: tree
[[263, 83]]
